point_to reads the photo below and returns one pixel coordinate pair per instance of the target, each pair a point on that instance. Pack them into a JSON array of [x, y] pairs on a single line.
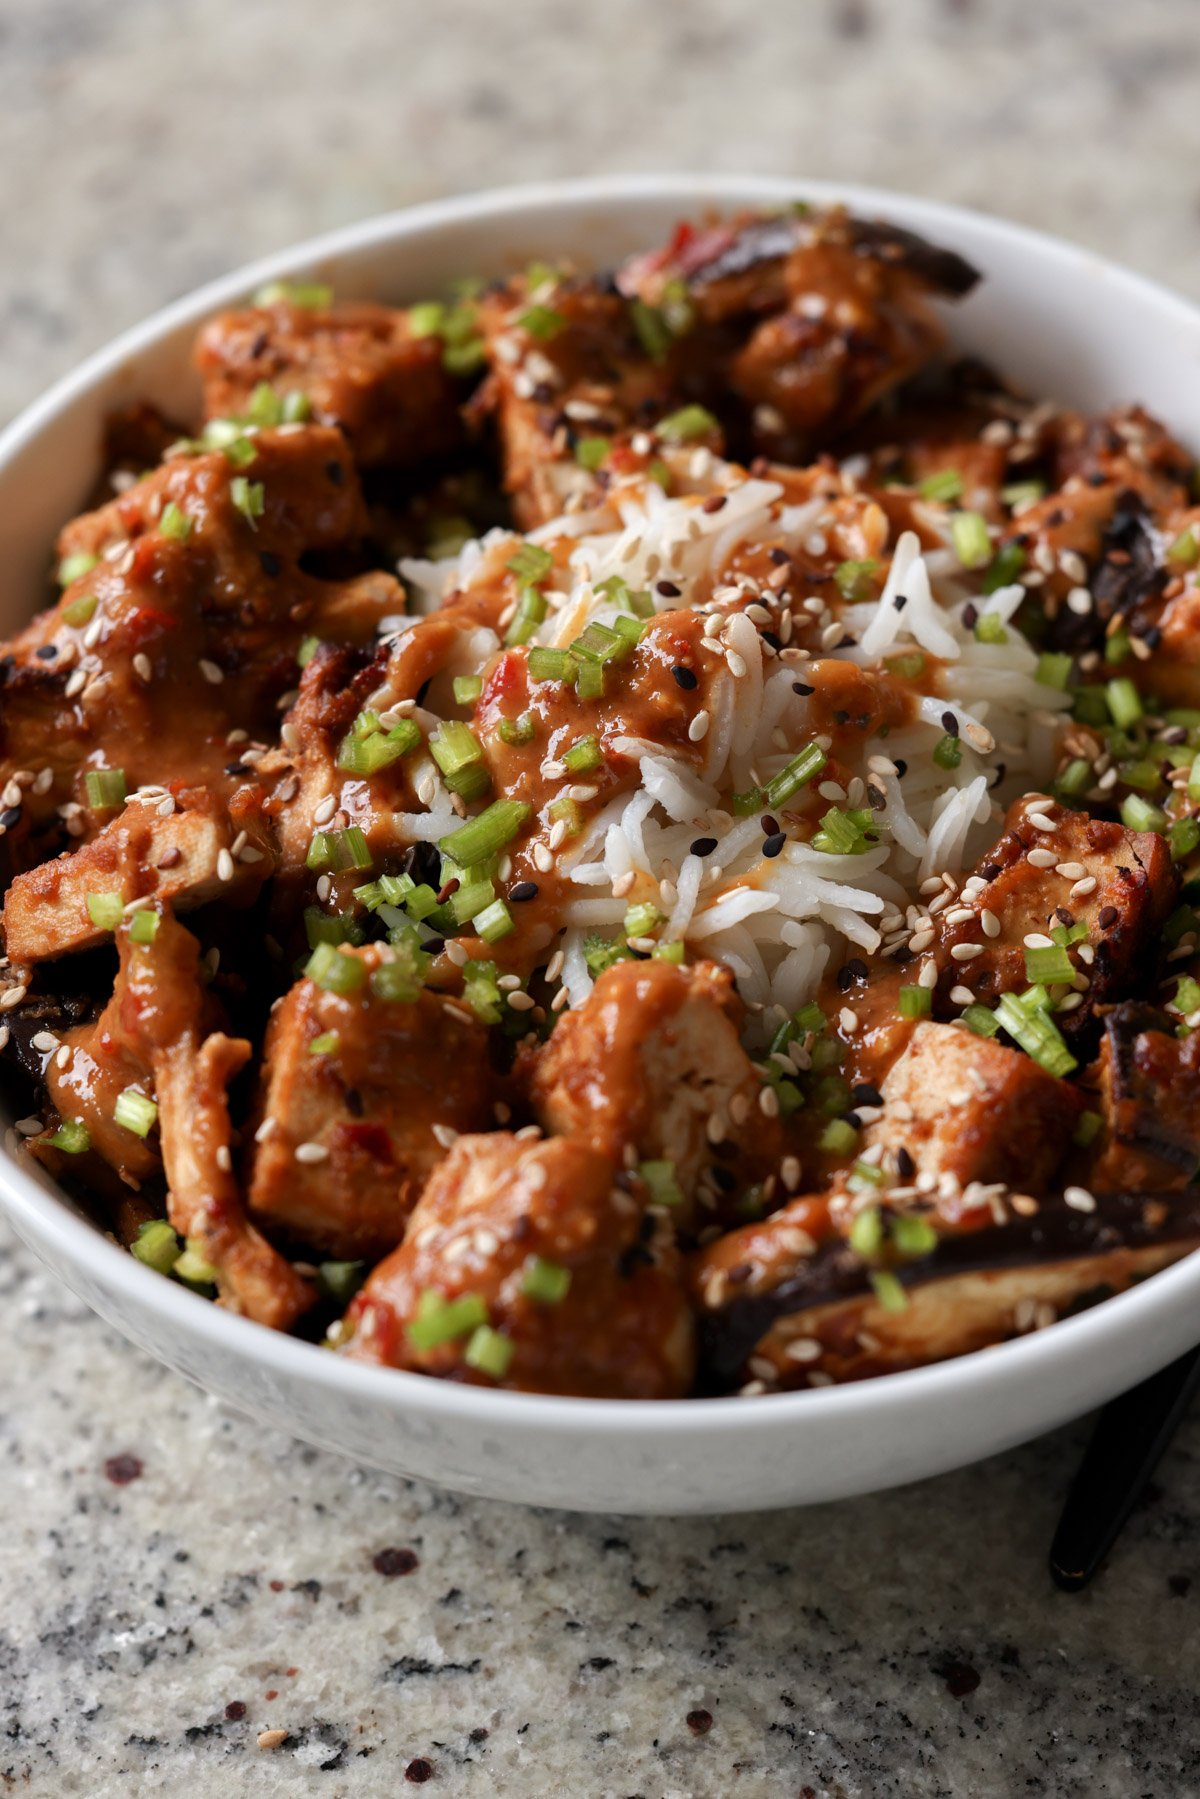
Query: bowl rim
[[45, 1215]]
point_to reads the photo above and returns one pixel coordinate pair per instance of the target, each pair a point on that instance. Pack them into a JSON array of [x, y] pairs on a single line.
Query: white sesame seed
[[1079, 1199], [521, 1002], [325, 809], [1042, 821], [962, 996], [928, 976], [224, 1159], [848, 1019], [211, 672], [542, 858], [11, 998], [225, 866], [768, 1103], [266, 1130], [698, 729], [44, 1041], [990, 923], [966, 952], [311, 1152], [1037, 940], [920, 941], [143, 668], [446, 1135], [1041, 858]]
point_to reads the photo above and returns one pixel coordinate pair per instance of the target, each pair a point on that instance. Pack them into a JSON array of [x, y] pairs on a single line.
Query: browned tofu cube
[[652, 1066], [1066, 868], [348, 1130], [360, 366], [185, 859], [555, 1260], [965, 1106]]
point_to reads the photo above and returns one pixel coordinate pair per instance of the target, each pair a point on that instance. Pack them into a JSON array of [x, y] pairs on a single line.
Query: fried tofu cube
[[1036, 878], [184, 860], [651, 1066], [961, 1105], [360, 366], [355, 1091], [553, 1257]]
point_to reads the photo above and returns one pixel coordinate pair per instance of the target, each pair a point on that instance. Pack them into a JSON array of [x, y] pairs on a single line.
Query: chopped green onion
[[495, 922], [661, 1183], [583, 756], [1185, 549], [1087, 1130], [598, 644], [908, 667], [591, 451], [915, 1002], [531, 610], [312, 295], [1193, 786], [600, 952], [913, 1236], [340, 1281], [249, 497], [1004, 568], [367, 747], [143, 926], [791, 777], [327, 967], [668, 952], [105, 910], [633, 629], [839, 1137], [325, 1044], [72, 568], [854, 578], [688, 423], [989, 628], [470, 900], [427, 318], [866, 1231], [307, 649], [865, 1175], [330, 927], [547, 1282], [467, 689], [1124, 702], [1187, 996], [1029, 1027], [135, 1112], [464, 358], [440, 1320], [589, 680], [980, 1019], [1184, 837], [297, 407], [1075, 779], [490, 1351], [566, 811], [194, 1267], [459, 754], [399, 982], [641, 920], [156, 1245], [653, 331], [1049, 967], [1090, 706], [945, 485], [550, 665], [972, 544], [518, 730], [888, 1290], [174, 523], [844, 833], [1116, 649], [531, 563], [1022, 493], [947, 752], [481, 990], [743, 804], [1053, 670], [71, 1137], [264, 408], [483, 836], [660, 474], [1066, 935], [541, 322], [105, 788], [81, 610], [1142, 815]]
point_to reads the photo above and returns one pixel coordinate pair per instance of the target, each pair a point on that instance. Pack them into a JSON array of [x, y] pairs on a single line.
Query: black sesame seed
[[434, 946], [774, 843], [9, 816], [336, 473], [857, 969], [875, 798], [900, 766], [841, 718], [776, 641], [237, 768], [47, 652], [866, 1095], [905, 1166], [900, 602], [668, 590], [269, 562], [1063, 916], [704, 846], [949, 724], [970, 616], [524, 890], [722, 1178], [683, 677], [847, 643], [989, 871], [778, 556], [1106, 918], [802, 688], [768, 824]]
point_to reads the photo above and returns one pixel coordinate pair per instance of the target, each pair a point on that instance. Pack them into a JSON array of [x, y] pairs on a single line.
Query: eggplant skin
[[770, 238], [967, 1293]]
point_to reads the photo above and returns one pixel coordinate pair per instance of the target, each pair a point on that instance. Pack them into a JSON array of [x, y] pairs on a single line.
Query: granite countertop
[[176, 1581]]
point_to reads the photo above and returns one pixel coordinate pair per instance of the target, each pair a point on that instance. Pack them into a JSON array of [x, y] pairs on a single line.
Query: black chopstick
[[1131, 1434]]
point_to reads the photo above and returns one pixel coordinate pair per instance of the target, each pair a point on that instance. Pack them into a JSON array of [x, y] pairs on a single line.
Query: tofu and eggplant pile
[[625, 833]]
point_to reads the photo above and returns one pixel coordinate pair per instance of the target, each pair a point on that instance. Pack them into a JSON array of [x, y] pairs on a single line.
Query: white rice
[[779, 923]]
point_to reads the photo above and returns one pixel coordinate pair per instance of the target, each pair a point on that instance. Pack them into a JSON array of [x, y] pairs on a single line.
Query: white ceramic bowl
[[1056, 319]]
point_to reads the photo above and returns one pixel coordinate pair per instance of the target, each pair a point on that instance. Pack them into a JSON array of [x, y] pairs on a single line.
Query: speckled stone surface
[[909, 1645]]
